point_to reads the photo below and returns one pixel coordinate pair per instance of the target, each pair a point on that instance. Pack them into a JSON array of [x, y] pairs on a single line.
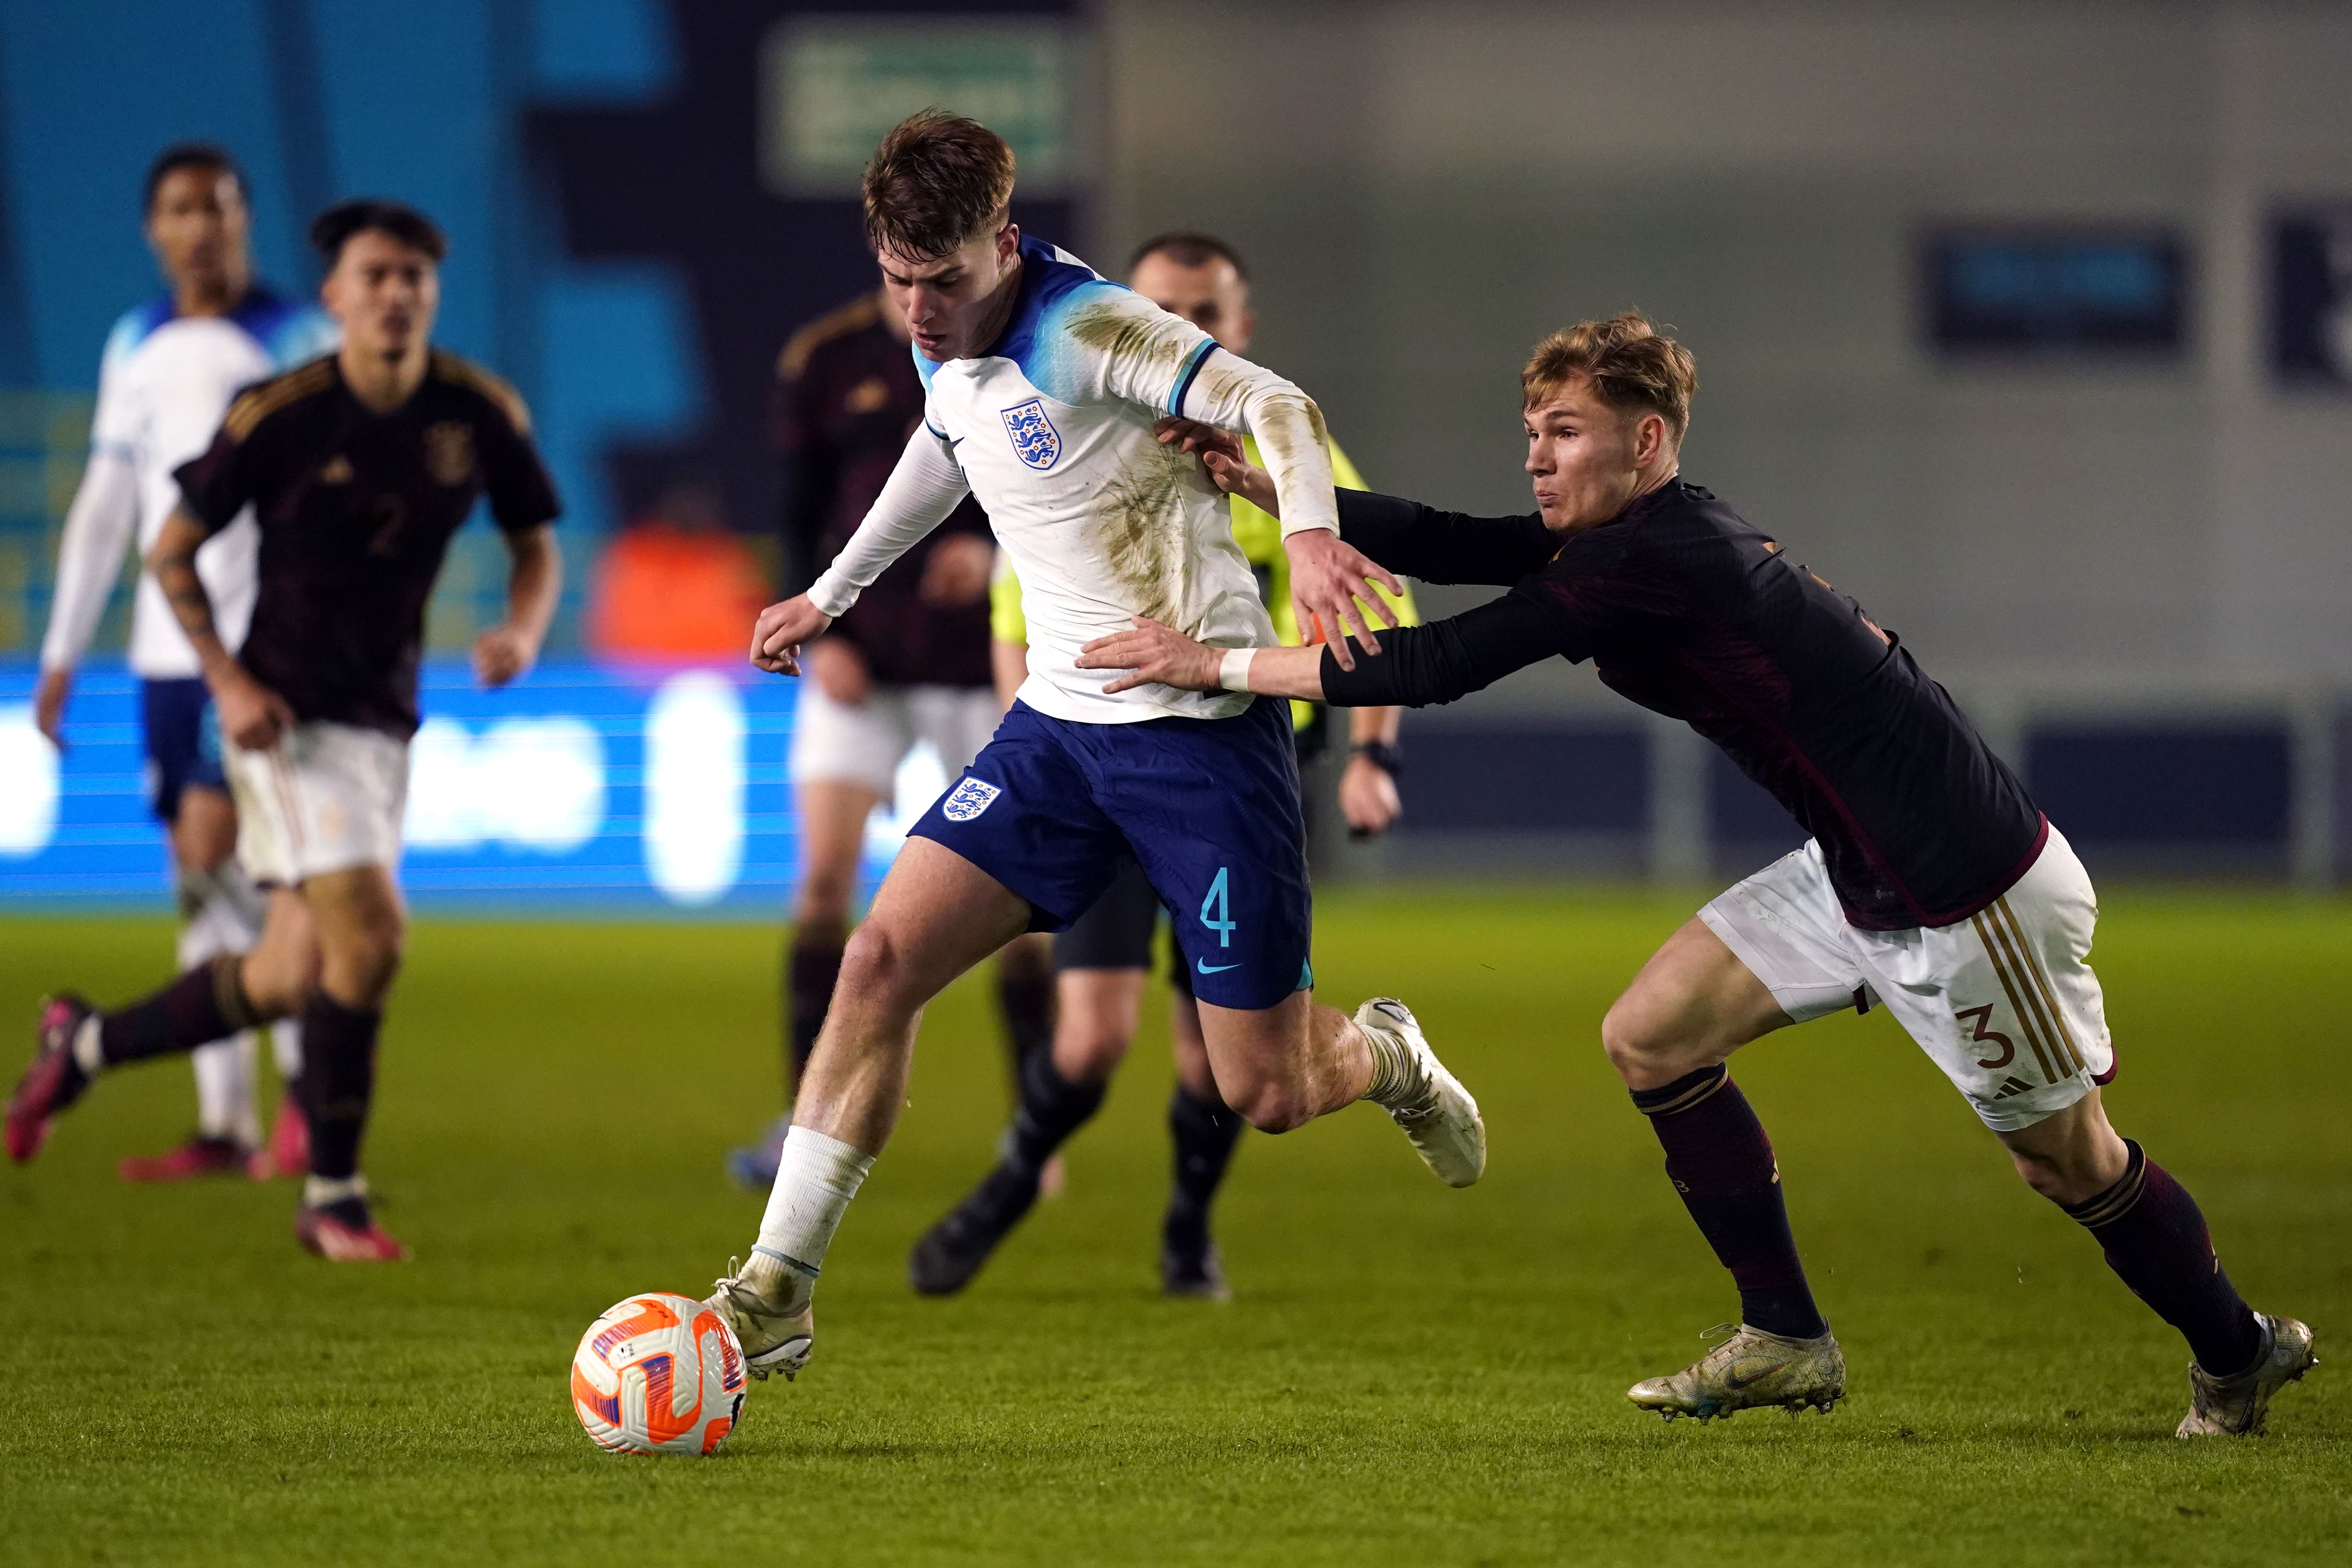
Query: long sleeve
[[97, 529], [1231, 394], [1445, 546], [1449, 658], [922, 491], [1145, 356]]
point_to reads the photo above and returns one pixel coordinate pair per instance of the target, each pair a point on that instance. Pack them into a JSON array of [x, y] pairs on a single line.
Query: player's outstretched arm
[[534, 581], [1429, 664], [251, 715], [1401, 535], [1153, 654], [98, 529], [1331, 583]]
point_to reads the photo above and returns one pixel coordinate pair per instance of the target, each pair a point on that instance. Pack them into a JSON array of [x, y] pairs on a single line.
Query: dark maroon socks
[[811, 964], [2155, 1239], [1721, 1163], [1052, 1108], [338, 1082], [204, 1004], [1204, 1133], [1024, 998]]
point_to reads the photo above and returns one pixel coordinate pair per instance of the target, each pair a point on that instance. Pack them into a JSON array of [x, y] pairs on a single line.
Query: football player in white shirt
[[1045, 384], [171, 367]]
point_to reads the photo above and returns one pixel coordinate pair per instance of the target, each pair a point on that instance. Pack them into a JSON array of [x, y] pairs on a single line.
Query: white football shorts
[[834, 742], [326, 797], [2003, 1001]]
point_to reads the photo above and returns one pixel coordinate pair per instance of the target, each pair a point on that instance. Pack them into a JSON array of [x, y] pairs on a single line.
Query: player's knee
[[1269, 1103], [874, 965], [1637, 1047], [276, 986], [2045, 1175], [2063, 1175], [1089, 1050]]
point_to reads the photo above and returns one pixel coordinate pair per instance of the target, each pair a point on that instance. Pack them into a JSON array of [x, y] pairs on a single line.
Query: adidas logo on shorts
[[2014, 1085], [969, 799]]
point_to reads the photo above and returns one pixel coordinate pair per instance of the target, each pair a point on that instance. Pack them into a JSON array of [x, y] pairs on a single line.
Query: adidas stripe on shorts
[[2004, 1001]]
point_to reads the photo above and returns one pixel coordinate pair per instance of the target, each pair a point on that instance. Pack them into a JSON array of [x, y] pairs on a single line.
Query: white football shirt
[[164, 383], [1051, 430]]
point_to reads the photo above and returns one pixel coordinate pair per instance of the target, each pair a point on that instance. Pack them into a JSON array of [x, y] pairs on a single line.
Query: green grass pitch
[[1407, 1374]]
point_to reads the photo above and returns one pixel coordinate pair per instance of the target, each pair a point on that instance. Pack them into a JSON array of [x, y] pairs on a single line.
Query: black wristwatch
[[1382, 754]]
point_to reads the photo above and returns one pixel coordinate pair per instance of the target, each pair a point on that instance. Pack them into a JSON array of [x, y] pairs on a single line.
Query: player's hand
[[1367, 797], [1153, 655], [49, 704], [839, 671], [777, 635], [955, 572], [501, 654], [1221, 454], [253, 716], [1332, 592]]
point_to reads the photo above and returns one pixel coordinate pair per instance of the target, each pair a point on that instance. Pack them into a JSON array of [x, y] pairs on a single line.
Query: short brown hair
[[937, 180], [1631, 364]]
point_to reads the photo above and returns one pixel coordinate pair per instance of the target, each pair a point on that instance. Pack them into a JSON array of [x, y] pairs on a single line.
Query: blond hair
[[1632, 366]]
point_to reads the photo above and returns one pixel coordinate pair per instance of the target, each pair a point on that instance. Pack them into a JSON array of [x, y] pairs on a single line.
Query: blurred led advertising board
[[580, 788], [2042, 293], [2311, 296], [830, 86]]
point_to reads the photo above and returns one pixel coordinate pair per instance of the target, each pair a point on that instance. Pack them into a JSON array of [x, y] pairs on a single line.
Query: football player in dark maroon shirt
[[359, 467], [1931, 883]]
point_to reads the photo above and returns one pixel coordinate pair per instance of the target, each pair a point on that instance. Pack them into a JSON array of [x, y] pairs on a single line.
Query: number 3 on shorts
[[1220, 921]]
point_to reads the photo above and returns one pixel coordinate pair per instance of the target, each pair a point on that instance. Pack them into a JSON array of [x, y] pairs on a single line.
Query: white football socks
[[1398, 1080], [816, 1179], [224, 1068], [318, 1191], [225, 1081]]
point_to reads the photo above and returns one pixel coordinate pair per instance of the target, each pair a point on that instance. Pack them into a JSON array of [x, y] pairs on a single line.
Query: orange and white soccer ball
[[658, 1374]]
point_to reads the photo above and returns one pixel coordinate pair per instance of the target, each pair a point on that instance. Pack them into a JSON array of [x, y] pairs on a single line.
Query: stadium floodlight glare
[[694, 787], [28, 783]]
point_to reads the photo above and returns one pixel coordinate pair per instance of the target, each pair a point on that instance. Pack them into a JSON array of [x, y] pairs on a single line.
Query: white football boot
[[1749, 1369], [1436, 1111], [775, 1336], [2237, 1406]]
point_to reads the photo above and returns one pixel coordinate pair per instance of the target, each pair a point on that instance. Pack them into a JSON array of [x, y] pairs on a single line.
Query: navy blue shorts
[[1209, 806], [183, 742]]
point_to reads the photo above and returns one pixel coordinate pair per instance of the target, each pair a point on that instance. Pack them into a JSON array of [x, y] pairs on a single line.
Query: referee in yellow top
[[1102, 961]]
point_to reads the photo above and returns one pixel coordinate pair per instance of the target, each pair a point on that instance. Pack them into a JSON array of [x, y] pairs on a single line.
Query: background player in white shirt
[[169, 369], [1044, 384]]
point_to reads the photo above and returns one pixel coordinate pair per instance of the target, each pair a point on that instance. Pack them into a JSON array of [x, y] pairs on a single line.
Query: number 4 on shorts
[[1221, 921]]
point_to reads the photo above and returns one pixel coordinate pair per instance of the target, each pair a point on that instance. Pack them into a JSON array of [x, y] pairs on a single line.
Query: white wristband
[[1232, 670]]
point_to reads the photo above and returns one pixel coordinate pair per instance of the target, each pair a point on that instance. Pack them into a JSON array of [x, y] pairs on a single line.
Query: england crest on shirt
[[969, 798], [1035, 440]]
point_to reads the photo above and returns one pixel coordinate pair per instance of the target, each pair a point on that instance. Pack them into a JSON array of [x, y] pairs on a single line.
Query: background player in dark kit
[[359, 467]]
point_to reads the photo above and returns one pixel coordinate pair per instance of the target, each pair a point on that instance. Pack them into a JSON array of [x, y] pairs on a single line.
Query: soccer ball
[[658, 1374]]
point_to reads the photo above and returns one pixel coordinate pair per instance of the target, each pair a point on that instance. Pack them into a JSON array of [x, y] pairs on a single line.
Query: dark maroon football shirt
[[356, 512], [1686, 608], [849, 399]]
